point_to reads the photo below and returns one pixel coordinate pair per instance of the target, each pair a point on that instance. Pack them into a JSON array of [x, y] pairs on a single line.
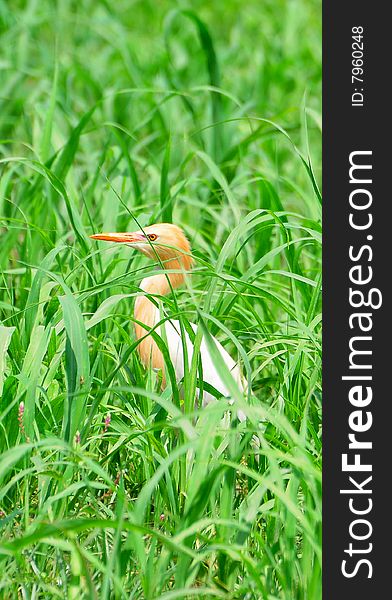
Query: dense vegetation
[[114, 114]]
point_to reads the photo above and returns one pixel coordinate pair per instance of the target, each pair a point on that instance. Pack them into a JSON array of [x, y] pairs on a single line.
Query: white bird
[[169, 243]]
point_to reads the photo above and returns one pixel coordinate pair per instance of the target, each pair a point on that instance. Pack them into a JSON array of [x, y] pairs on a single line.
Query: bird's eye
[[152, 237]]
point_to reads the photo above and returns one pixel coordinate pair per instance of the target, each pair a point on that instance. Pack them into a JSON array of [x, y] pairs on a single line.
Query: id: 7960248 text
[[357, 81]]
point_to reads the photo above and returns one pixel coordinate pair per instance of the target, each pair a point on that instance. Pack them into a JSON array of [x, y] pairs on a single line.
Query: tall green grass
[[208, 116]]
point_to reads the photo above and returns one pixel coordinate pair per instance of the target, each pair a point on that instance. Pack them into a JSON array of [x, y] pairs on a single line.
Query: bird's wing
[[210, 372]]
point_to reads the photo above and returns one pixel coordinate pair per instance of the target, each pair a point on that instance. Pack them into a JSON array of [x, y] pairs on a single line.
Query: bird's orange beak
[[125, 238]]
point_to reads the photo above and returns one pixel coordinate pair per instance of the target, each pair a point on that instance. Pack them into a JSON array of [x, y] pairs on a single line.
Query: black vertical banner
[[357, 402]]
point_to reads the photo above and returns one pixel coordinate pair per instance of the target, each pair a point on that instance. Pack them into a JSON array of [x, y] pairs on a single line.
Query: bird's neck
[[160, 285], [147, 314]]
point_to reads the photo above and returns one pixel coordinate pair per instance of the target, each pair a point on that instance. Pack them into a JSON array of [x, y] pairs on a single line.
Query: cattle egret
[[169, 243]]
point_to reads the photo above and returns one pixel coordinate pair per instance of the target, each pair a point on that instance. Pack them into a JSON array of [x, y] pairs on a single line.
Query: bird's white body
[[211, 374]]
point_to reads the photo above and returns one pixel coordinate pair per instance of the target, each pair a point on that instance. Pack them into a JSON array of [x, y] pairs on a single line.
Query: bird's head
[[165, 240]]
